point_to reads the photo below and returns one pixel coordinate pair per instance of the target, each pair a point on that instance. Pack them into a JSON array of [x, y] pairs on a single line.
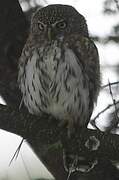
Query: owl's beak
[[50, 34]]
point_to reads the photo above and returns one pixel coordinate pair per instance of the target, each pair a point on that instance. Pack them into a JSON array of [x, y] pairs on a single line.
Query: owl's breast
[[39, 81], [51, 57], [66, 91], [54, 83]]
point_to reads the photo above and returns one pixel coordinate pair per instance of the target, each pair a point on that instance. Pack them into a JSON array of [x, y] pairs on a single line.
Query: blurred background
[[103, 22]]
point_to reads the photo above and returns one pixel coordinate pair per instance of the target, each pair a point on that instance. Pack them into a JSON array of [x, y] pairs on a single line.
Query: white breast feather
[[66, 102]]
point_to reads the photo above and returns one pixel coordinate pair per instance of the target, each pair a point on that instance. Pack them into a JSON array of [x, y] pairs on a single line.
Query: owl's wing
[[26, 54], [87, 54]]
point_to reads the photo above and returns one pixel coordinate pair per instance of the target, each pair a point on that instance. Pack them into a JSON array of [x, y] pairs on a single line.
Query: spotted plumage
[[59, 67]]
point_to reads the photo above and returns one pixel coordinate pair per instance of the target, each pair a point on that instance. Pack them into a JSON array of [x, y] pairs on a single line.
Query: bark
[[44, 135]]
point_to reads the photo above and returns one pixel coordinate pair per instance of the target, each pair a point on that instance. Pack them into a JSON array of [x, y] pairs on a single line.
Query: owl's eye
[[41, 26], [61, 25]]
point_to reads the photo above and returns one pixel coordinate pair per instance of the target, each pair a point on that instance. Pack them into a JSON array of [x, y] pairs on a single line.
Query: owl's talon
[[70, 163], [65, 162], [69, 125], [63, 123]]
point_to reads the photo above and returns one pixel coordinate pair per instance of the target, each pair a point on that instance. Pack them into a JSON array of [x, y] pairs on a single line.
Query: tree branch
[[47, 139], [111, 83], [43, 133]]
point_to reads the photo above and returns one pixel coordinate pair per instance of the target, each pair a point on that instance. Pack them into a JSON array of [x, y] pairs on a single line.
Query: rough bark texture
[[43, 133]]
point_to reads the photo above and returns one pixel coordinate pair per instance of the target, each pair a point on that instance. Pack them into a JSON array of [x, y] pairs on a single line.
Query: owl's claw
[[69, 124], [70, 129], [70, 164], [74, 163]]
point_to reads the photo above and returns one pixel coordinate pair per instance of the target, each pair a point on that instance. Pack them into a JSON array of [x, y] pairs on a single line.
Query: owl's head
[[57, 21]]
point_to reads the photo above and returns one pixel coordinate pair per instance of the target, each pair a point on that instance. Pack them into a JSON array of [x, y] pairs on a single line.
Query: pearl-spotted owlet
[[59, 71]]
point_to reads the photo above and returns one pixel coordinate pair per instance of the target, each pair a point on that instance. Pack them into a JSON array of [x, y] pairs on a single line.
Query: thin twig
[[73, 167], [16, 152], [117, 4], [26, 168], [109, 106], [107, 85], [116, 110], [105, 109]]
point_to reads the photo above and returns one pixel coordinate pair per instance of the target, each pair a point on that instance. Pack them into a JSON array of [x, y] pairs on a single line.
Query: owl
[[59, 71]]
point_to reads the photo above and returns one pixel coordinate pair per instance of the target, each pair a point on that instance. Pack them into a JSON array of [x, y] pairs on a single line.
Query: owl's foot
[[70, 163], [70, 128], [69, 124], [78, 163]]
